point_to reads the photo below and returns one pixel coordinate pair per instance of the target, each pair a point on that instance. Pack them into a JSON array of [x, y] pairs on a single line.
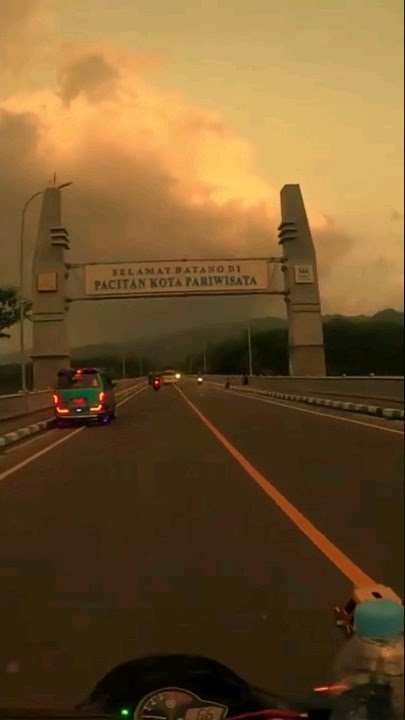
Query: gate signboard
[[179, 277], [58, 283]]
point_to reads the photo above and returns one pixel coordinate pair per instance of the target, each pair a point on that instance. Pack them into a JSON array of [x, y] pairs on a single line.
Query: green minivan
[[85, 394]]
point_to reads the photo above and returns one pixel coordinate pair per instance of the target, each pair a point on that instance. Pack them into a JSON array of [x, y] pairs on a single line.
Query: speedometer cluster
[[178, 704]]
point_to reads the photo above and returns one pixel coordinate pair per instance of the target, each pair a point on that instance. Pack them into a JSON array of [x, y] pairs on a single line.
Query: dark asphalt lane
[[393, 426], [346, 477], [147, 536]]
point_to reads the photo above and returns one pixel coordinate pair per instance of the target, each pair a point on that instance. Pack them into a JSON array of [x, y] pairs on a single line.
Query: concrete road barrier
[[362, 408], [372, 390]]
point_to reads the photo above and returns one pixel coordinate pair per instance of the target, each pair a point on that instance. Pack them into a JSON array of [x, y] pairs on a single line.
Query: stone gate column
[[305, 331], [50, 340]]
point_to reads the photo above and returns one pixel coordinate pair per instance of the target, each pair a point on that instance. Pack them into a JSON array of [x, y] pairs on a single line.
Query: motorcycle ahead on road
[[156, 383]]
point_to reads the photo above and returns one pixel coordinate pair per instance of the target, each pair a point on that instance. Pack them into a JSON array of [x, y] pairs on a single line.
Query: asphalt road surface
[[200, 521]]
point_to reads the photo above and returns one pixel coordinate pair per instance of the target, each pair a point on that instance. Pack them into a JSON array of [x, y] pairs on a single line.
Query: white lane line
[[48, 448], [251, 396]]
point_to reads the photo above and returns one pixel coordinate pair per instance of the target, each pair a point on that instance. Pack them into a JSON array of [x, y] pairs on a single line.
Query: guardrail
[[387, 389], [19, 404]]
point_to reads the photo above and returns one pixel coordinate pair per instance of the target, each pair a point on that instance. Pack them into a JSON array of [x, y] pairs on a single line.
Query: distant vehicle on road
[[153, 376], [169, 377], [86, 394]]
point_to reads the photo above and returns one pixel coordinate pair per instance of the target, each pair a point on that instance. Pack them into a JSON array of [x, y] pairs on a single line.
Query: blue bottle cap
[[379, 619]]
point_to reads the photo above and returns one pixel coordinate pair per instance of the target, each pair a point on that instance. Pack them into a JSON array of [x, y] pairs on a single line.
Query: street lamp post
[[22, 303], [249, 341]]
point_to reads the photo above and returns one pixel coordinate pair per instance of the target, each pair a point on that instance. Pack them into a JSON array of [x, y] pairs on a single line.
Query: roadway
[[386, 402], [164, 532]]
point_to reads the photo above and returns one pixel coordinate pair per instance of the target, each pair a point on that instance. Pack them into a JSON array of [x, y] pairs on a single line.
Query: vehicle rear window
[[70, 382], [169, 372]]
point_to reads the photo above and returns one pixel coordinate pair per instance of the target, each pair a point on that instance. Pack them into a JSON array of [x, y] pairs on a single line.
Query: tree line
[[351, 348], [10, 309], [359, 348]]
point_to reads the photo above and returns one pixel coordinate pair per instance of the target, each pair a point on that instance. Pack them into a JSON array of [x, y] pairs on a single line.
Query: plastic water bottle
[[369, 670]]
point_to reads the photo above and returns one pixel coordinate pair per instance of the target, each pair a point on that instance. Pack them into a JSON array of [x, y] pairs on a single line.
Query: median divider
[[17, 435], [376, 410]]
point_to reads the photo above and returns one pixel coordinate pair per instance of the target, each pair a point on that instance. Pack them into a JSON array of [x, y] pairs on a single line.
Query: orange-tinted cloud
[[169, 173], [154, 177], [27, 33], [397, 216]]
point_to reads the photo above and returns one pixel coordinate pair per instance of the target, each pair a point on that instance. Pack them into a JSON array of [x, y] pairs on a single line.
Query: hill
[[173, 348], [357, 345], [177, 345]]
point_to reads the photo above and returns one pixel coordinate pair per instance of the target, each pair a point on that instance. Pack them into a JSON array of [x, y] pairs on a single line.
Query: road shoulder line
[[362, 408]]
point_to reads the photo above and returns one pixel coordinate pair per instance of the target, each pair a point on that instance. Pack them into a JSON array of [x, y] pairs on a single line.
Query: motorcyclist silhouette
[[216, 692], [171, 686]]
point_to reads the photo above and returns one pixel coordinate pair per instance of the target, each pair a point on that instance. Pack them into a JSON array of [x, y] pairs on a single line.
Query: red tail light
[[156, 382], [101, 396], [56, 400]]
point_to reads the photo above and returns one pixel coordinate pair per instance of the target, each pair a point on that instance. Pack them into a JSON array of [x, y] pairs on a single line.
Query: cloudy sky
[[180, 121]]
